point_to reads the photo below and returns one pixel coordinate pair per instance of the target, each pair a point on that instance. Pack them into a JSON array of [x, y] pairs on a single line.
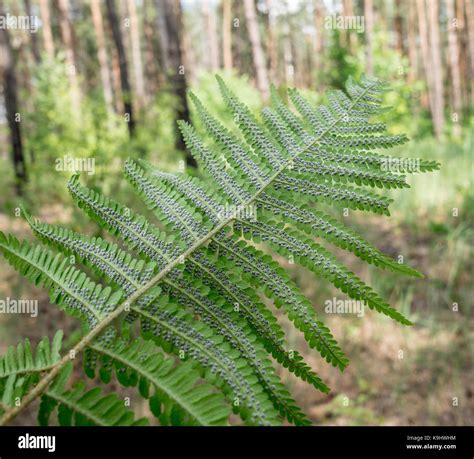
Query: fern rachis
[[195, 293]]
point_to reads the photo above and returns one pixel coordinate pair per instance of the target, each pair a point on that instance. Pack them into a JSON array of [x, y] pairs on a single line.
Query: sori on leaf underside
[[182, 307]]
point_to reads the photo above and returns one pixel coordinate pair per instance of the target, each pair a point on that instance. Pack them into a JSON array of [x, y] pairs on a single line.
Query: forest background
[[87, 83]]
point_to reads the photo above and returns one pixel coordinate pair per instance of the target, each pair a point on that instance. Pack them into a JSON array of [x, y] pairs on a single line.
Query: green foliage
[[20, 367], [198, 283], [55, 130], [83, 408], [339, 63]]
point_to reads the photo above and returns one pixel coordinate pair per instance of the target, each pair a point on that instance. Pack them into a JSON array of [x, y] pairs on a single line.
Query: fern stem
[[125, 305]]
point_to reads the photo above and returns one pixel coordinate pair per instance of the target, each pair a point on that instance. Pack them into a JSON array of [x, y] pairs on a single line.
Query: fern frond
[[256, 314], [239, 293], [263, 271], [341, 195], [120, 221], [316, 223], [167, 205], [21, 368], [194, 190], [22, 360], [178, 398], [237, 192], [68, 287], [328, 171], [317, 259], [83, 408], [253, 133], [197, 280], [242, 158], [115, 264]]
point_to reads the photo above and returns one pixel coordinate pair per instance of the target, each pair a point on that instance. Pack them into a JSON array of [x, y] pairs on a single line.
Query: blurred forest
[[92, 82]]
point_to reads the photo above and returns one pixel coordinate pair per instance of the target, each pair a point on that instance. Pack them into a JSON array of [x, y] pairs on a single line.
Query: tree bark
[[136, 53], [211, 33], [102, 53], [46, 26], [369, 25], [257, 51], [318, 13], [412, 46], [7, 63], [33, 36], [271, 48], [123, 66], [470, 39], [296, 52], [453, 53], [288, 50], [70, 54], [227, 33], [463, 51], [176, 70], [437, 69], [163, 32], [398, 26], [425, 51], [152, 79], [348, 8]]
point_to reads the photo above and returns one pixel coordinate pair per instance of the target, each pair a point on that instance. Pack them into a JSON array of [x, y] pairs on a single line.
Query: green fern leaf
[[83, 408], [201, 279], [176, 388]]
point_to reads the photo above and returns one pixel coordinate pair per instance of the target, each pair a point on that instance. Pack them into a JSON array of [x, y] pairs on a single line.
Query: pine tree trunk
[[46, 26], [123, 66], [295, 51], [227, 33], [412, 45], [211, 33], [463, 51], [116, 82], [237, 42], [470, 34], [348, 8], [70, 54], [257, 51], [318, 13], [102, 53], [33, 36], [453, 53], [369, 26], [271, 48], [12, 109], [152, 79], [437, 69], [425, 52], [136, 53], [176, 71], [398, 27], [163, 32]]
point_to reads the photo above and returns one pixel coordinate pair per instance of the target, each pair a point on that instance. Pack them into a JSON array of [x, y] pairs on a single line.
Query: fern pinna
[[184, 315]]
